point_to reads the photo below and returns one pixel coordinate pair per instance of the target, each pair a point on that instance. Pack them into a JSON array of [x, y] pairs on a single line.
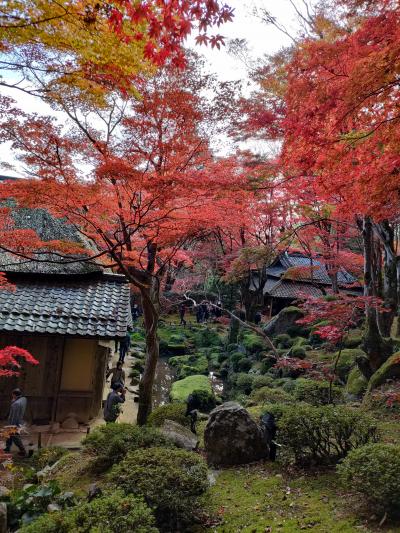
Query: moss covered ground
[[259, 499]]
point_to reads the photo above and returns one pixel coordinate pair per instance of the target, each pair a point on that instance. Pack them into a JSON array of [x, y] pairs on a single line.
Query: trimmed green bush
[[170, 411], [234, 359], [316, 392], [244, 365], [243, 382], [262, 381], [323, 435], [110, 443], [207, 338], [109, 514], [283, 341], [253, 343], [374, 472], [181, 389], [205, 400], [170, 481], [298, 351], [268, 395]]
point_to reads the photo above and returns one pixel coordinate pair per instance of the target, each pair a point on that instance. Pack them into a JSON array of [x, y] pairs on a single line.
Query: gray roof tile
[[93, 307]]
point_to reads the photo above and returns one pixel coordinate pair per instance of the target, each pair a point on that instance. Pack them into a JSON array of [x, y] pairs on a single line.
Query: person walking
[[257, 318], [16, 418], [124, 346], [182, 311], [199, 314], [113, 403], [117, 374], [268, 427]]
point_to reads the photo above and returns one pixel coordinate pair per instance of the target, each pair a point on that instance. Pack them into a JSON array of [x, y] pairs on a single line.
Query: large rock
[[389, 370], [356, 384], [3, 518], [284, 320], [180, 436], [232, 437]]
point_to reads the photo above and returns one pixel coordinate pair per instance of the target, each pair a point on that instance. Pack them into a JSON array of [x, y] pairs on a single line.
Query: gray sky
[[262, 39]]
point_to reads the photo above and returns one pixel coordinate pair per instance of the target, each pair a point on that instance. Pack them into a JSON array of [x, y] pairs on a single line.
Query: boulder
[[3, 518], [389, 370], [4, 491], [94, 491], [70, 423], [284, 320], [180, 436], [356, 384], [232, 437], [347, 361]]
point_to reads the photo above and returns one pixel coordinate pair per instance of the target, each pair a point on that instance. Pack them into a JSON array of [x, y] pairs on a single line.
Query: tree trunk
[[385, 233], [374, 345], [151, 317]]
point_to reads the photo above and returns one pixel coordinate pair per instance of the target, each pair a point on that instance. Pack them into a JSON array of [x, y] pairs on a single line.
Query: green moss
[[389, 370], [182, 388], [258, 498], [253, 342], [356, 383], [353, 339], [347, 361]]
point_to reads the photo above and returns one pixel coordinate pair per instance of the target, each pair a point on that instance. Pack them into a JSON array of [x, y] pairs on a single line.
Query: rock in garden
[[94, 492], [70, 423], [53, 508], [389, 370], [180, 436], [4, 491], [232, 437], [3, 518], [285, 319]]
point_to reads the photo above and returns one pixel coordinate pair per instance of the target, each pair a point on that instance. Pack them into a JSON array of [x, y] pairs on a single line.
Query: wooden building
[[65, 314], [294, 276]]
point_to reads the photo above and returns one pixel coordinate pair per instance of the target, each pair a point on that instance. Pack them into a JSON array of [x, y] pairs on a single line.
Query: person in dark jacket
[[192, 406], [117, 374], [113, 402], [268, 426], [182, 311], [16, 418], [257, 318], [199, 314], [124, 346]]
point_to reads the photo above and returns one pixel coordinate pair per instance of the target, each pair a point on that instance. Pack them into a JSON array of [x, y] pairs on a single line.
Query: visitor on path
[[124, 346], [206, 311], [135, 312], [117, 374], [257, 318], [182, 311], [113, 403], [218, 309], [16, 418], [192, 405], [199, 314], [268, 426]]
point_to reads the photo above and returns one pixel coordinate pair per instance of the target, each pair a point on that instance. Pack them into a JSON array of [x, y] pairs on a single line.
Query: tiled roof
[[314, 267], [293, 289], [93, 307]]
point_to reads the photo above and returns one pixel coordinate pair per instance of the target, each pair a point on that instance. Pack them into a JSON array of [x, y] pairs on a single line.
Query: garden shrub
[[267, 364], [253, 343], [347, 361], [110, 443], [232, 347], [222, 356], [207, 338], [374, 471], [47, 456], [243, 382], [235, 358], [109, 514], [204, 400], [170, 411], [283, 340], [262, 381], [266, 394], [170, 481], [316, 392], [289, 385], [244, 365], [323, 435], [298, 351]]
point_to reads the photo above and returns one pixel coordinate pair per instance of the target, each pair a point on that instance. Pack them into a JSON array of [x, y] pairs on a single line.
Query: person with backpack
[[268, 427], [115, 398], [16, 418]]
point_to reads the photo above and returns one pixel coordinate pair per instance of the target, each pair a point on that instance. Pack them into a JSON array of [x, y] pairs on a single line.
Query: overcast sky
[[262, 39]]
